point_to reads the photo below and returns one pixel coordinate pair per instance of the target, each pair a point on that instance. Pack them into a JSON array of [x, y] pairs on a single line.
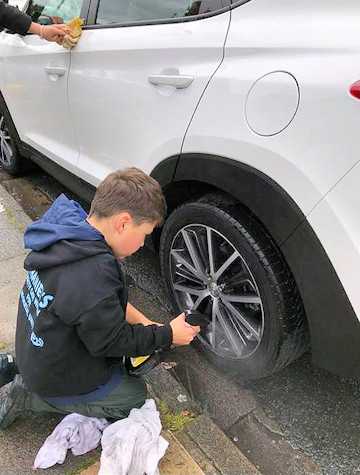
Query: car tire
[[10, 158], [257, 323]]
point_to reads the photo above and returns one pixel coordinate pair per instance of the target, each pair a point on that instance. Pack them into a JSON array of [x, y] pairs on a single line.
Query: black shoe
[[8, 369], [13, 405]]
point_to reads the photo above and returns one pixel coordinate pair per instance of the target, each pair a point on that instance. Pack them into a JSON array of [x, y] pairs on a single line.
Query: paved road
[[300, 408]]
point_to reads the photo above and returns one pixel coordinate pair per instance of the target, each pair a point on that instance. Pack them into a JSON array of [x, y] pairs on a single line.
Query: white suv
[[248, 114]]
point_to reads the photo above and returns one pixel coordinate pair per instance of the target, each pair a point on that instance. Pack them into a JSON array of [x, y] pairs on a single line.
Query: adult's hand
[[49, 32]]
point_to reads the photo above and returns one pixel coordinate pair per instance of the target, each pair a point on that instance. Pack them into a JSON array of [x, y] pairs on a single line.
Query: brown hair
[[133, 191]]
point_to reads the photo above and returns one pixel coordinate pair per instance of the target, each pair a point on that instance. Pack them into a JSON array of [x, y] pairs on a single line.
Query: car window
[[133, 11], [53, 11]]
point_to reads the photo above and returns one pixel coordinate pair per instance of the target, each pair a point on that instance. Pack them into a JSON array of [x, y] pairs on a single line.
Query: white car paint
[[18, 3], [110, 94], [38, 100]]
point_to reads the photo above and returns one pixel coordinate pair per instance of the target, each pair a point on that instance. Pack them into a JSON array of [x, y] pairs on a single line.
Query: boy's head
[[127, 205]]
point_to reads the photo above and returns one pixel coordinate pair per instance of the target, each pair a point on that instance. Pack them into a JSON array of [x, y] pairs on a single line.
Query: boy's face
[[128, 236]]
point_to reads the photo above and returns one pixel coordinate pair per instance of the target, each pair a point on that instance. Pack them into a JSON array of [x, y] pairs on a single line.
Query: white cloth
[[133, 446], [79, 433]]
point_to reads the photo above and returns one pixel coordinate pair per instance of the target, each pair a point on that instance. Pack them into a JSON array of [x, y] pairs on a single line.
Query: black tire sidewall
[[236, 230]]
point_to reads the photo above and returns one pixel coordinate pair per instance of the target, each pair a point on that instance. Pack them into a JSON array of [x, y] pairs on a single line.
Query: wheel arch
[[323, 295]]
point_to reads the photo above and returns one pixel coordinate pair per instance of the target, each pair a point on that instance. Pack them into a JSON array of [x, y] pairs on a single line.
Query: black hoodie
[[71, 318]]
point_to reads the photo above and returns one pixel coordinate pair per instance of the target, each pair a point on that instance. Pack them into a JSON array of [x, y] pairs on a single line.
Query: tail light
[[355, 90]]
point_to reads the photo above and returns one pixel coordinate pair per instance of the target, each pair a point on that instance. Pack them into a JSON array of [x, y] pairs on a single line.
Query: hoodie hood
[[65, 225], [66, 219]]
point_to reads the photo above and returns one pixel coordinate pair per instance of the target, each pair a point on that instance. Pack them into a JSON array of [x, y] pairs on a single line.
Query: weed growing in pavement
[[174, 422]]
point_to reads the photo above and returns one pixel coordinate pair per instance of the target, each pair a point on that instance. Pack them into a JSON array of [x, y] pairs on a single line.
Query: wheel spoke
[[228, 330], [243, 321], [200, 293], [236, 327], [6, 152], [7, 148], [189, 290], [194, 254], [4, 156], [245, 298], [210, 252], [226, 264], [200, 298], [181, 272], [182, 261]]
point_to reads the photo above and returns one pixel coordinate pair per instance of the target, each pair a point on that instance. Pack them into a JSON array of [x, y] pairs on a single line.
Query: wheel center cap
[[214, 289]]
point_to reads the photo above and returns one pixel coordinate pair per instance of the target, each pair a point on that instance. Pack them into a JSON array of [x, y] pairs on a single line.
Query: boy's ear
[[121, 220]]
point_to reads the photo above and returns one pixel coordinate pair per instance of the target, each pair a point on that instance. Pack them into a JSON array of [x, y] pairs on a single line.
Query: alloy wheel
[[6, 151], [210, 275]]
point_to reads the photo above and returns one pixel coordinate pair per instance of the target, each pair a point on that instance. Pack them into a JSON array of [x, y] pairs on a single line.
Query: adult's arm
[[14, 19], [19, 22]]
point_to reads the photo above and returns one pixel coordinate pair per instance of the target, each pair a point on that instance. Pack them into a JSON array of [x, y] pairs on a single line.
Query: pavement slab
[[219, 448], [260, 438], [12, 277]]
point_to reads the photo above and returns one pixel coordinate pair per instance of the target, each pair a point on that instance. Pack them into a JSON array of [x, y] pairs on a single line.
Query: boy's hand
[[183, 332]]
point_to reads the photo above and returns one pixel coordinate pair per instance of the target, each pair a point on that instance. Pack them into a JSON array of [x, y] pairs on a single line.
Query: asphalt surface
[[308, 411]]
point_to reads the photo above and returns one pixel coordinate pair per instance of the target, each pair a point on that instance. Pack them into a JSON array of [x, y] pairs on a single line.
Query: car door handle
[[55, 70], [175, 80]]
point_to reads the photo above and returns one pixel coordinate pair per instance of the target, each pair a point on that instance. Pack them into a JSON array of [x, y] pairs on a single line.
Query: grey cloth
[[79, 433]]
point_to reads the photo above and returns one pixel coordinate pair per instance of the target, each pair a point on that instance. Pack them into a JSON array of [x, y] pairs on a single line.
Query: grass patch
[[13, 220], [174, 422]]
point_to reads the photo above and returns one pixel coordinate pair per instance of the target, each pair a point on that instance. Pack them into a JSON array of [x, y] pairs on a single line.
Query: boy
[[74, 321]]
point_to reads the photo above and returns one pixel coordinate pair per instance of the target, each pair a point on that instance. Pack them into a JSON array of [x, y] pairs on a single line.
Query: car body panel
[[110, 69], [337, 224], [37, 100], [309, 42]]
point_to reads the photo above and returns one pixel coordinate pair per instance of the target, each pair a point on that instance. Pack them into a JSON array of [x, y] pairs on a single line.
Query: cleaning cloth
[[79, 433], [74, 32], [133, 446]]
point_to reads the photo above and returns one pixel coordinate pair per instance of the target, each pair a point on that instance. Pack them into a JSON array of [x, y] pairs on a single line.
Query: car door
[[136, 77], [34, 84]]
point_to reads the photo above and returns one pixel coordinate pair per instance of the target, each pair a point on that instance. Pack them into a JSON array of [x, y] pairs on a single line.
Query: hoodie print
[[34, 299]]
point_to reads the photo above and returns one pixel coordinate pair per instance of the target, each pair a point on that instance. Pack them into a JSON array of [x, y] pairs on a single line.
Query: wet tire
[[218, 259]]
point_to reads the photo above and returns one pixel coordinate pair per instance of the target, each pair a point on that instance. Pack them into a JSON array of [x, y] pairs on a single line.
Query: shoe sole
[[9, 417]]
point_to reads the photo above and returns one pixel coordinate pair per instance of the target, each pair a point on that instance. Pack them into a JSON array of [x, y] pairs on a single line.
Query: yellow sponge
[[75, 26], [69, 41]]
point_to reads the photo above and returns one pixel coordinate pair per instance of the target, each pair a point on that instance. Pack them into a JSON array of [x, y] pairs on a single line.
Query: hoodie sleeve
[[105, 333]]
